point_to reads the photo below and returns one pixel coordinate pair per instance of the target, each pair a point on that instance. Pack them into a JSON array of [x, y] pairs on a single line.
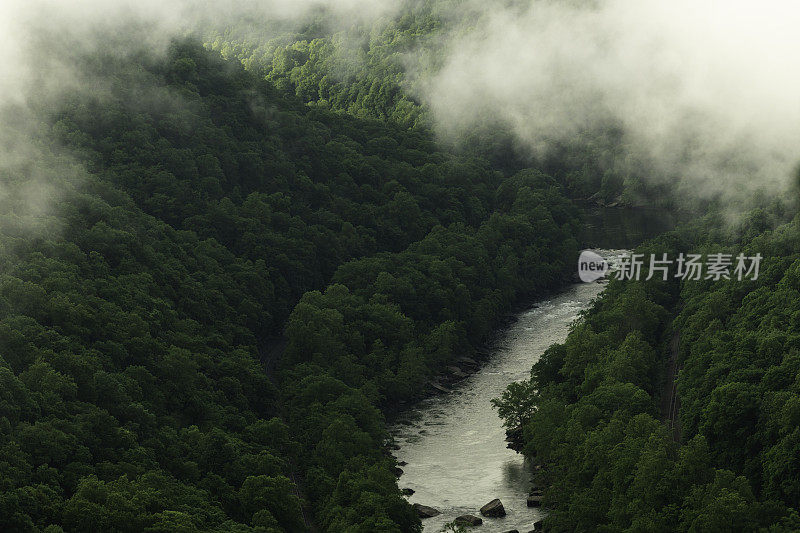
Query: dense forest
[[141, 386], [226, 266], [365, 72], [592, 412]]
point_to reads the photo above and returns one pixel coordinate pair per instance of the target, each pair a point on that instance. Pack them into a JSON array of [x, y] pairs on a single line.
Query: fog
[[43, 42], [706, 92], [40, 37]]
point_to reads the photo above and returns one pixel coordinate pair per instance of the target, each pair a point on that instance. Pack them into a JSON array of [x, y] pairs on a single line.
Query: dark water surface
[[624, 227]]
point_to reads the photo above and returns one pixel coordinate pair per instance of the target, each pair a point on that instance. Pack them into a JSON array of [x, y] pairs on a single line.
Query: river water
[[454, 443]]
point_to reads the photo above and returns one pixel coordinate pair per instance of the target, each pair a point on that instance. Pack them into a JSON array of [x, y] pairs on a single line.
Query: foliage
[[380, 71], [610, 462], [143, 385]]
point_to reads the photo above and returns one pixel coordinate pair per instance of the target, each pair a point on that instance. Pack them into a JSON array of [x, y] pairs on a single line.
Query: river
[[454, 443]]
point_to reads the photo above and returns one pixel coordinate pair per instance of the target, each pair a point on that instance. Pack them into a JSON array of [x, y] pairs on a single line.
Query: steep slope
[[591, 416], [204, 207]]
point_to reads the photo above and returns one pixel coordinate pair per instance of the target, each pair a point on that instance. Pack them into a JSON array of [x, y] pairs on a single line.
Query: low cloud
[[39, 37], [44, 42], [706, 93]]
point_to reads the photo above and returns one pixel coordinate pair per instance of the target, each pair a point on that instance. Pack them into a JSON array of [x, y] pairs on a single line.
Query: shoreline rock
[[493, 509], [468, 520], [423, 511], [534, 500]]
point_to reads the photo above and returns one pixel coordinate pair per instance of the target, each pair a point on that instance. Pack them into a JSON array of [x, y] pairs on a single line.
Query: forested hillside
[[377, 71], [591, 412], [237, 238], [140, 391]]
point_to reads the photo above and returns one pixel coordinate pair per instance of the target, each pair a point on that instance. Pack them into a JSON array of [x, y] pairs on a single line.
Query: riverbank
[[452, 446]]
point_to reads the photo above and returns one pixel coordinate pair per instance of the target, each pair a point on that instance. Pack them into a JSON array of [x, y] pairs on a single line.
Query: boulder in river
[[407, 491], [468, 520], [535, 500], [398, 471], [423, 511], [512, 531], [493, 509]]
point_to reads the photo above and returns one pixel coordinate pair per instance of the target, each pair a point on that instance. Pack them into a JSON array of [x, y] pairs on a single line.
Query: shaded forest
[[256, 249], [591, 413], [216, 215]]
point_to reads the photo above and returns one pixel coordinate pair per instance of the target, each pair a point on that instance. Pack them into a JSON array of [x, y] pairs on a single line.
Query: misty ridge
[[704, 92], [698, 97], [241, 240], [55, 55]]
